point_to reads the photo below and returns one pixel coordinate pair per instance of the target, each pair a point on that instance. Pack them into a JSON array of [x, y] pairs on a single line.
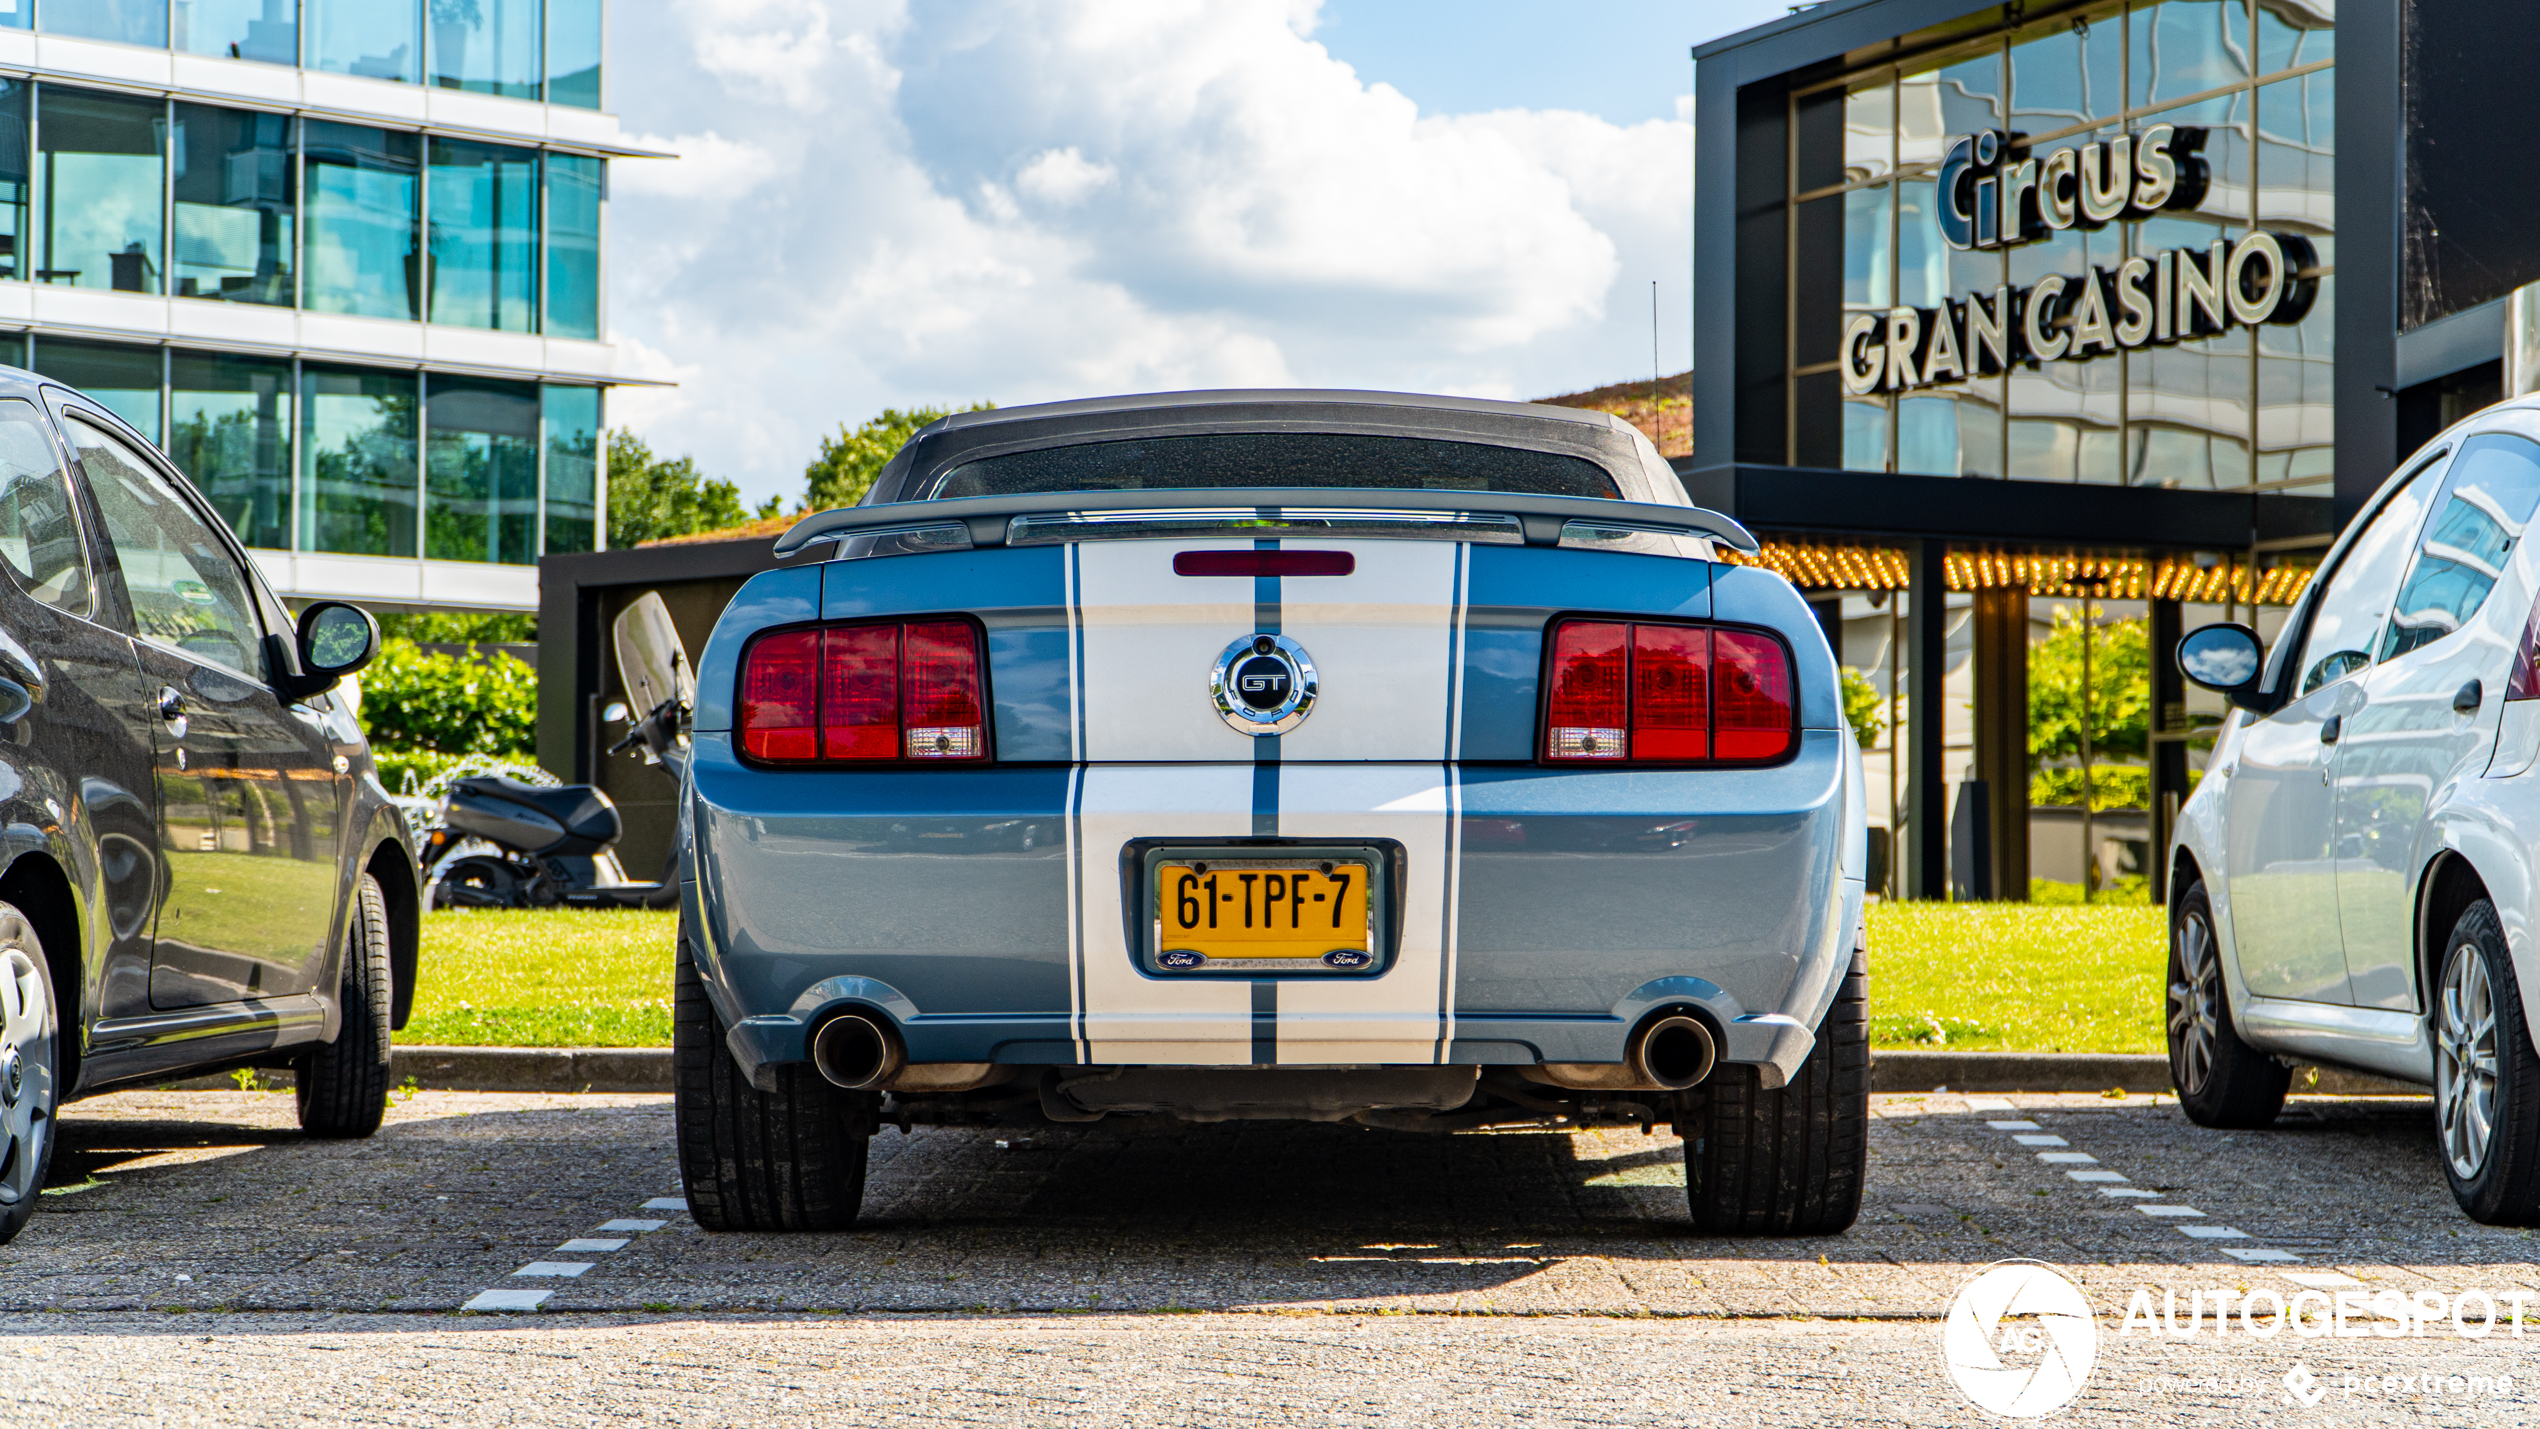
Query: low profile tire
[[791, 1159], [30, 1088], [2221, 1080], [342, 1086], [2486, 1078], [1786, 1161]]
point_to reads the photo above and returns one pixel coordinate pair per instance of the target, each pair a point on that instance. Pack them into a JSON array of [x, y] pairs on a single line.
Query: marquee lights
[[2045, 574]]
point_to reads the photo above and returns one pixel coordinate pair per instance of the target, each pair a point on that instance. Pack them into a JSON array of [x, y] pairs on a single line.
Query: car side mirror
[[2226, 658], [335, 640]]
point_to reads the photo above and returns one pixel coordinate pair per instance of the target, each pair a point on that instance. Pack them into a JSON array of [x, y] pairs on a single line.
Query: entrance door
[[249, 804], [2280, 854], [2430, 705]]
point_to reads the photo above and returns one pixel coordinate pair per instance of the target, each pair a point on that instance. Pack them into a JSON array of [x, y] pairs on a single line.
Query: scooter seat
[[583, 810]]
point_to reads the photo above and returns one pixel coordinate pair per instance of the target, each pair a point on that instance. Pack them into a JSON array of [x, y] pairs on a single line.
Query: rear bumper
[[1544, 912]]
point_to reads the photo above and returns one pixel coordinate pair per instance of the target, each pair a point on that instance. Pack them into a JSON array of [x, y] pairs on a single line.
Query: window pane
[[1865, 248], [2494, 485], [489, 46], [2062, 76], [13, 175], [17, 14], [1864, 433], [575, 187], [229, 430], [101, 198], [134, 22], [39, 535], [2347, 615], [123, 380], [484, 236], [186, 589], [481, 478], [267, 30], [2183, 47], [1869, 131], [234, 205], [573, 53], [382, 39], [362, 221], [2297, 412], [573, 467], [357, 461], [1946, 102], [2295, 32]]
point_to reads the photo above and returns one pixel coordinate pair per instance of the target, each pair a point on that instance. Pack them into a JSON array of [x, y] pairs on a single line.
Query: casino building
[[2118, 307]]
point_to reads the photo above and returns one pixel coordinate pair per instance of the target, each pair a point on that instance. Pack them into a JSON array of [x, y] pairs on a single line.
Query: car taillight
[[2524, 682], [1667, 694], [859, 693]]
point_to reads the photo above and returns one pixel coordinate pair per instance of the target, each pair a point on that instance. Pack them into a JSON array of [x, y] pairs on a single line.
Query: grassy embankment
[[1988, 977]]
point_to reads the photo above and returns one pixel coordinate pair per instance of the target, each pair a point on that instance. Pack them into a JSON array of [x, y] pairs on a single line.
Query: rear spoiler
[[1541, 517]]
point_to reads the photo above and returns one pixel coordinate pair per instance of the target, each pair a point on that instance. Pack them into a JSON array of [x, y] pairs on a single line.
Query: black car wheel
[[788, 1159], [2486, 1078], [342, 1085], [29, 1091], [2221, 1080], [1789, 1160]]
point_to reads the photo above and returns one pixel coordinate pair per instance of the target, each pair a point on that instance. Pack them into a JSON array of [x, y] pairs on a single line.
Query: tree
[[849, 461], [2120, 709], [651, 497]]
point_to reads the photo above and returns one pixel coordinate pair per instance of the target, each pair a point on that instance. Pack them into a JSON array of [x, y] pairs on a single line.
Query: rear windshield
[[1252, 459]]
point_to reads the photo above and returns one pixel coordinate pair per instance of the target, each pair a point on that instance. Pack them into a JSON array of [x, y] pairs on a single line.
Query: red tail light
[[2524, 682], [1667, 694], [862, 693]]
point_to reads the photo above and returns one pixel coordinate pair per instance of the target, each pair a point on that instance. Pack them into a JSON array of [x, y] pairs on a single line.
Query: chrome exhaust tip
[[1673, 1052], [857, 1052]]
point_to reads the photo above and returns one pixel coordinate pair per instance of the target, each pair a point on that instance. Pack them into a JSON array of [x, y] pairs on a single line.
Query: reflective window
[[17, 14], [2065, 73], [2184, 47], [132, 22], [229, 431], [489, 46], [2351, 607], [123, 380], [573, 53], [13, 176], [573, 467], [39, 533], [378, 39], [101, 193], [267, 30], [2488, 498], [235, 205], [186, 590], [1869, 131], [2297, 196], [575, 188], [2292, 33], [481, 471], [484, 236], [1940, 104], [357, 461], [362, 219]]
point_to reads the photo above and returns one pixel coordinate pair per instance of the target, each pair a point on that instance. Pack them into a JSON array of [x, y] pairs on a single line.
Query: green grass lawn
[[1987, 976]]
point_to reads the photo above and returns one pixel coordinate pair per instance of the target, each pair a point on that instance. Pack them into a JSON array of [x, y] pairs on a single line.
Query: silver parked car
[[2353, 881]]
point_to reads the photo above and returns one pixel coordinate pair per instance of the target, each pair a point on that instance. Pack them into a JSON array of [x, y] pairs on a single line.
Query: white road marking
[[667, 1203], [2096, 1175], [2173, 1212], [2012, 1125], [2043, 1139], [2067, 1158], [2263, 1253], [2214, 1232], [630, 1225], [1989, 1104], [566, 1269], [2127, 1191], [591, 1243], [507, 1300]]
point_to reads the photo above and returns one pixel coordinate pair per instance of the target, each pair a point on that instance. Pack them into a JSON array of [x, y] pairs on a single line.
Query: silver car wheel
[[2465, 1060], [26, 1067], [2195, 1004]]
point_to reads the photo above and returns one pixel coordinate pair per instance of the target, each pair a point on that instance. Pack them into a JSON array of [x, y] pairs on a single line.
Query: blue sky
[[886, 203]]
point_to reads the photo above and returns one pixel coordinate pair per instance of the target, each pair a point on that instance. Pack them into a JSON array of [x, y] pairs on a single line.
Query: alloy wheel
[[2465, 1061], [2195, 1004], [26, 1075]]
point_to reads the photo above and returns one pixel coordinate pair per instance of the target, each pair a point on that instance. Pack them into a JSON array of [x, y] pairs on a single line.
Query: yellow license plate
[[1228, 913]]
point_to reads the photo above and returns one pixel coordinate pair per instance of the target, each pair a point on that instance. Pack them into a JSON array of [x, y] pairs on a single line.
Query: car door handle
[[2330, 728], [2467, 697], [171, 704]]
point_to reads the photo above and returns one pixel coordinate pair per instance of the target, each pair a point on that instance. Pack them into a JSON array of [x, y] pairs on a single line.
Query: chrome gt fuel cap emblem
[[1263, 684]]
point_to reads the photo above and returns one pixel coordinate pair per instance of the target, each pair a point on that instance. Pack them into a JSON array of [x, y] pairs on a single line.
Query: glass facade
[[572, 416], [489, 46], [573, 53], [266, 30], [484, 236], [15, 96], [481, 470], [365, 216], [229, 428], [521, 49], [130, 22], [124, 380], [575, 188], [1891, 273], [237, 204], [100, 189]]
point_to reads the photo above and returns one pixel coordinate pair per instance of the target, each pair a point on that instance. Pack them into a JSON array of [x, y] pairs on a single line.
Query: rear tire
[[1791, 1160], [791, 1159], [2221, 1081], [2486, 1078], [342, 1086], [30, 1062]]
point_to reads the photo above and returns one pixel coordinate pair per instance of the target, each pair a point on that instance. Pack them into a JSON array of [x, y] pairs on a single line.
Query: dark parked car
[[199, 869]]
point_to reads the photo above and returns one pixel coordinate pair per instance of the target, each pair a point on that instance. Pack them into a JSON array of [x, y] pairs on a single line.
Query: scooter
[[505, 842]]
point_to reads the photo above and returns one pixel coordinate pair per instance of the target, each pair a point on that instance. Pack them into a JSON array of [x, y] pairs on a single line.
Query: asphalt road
[[197, 1261]]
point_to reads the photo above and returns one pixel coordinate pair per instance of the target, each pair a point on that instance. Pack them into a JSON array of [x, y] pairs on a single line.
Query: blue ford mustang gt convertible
[[1343, 756]]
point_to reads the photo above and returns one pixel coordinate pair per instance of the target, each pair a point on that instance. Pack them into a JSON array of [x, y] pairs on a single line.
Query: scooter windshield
[[651, 662]]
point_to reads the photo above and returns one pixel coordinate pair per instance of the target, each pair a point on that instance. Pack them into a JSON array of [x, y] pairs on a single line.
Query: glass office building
[[2005, 312], [342, 259]]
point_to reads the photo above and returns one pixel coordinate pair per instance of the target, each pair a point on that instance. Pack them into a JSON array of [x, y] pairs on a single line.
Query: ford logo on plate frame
[[1263, 684]]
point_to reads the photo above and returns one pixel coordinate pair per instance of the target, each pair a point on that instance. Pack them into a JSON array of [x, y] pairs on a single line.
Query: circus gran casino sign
[[1997, 194]]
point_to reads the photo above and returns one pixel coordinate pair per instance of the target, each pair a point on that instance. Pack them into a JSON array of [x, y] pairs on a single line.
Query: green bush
[[414, 701]]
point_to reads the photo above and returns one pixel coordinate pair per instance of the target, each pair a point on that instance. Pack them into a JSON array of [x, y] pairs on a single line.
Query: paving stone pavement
[[194, 1242]]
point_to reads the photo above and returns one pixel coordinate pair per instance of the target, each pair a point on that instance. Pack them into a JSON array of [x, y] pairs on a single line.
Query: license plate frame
[[1144, 865]]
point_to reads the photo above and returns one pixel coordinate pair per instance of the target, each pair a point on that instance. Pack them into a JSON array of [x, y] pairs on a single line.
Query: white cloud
[[1028, 201]]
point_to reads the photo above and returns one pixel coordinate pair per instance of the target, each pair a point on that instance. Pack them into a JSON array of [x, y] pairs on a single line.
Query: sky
[[882, 204]]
